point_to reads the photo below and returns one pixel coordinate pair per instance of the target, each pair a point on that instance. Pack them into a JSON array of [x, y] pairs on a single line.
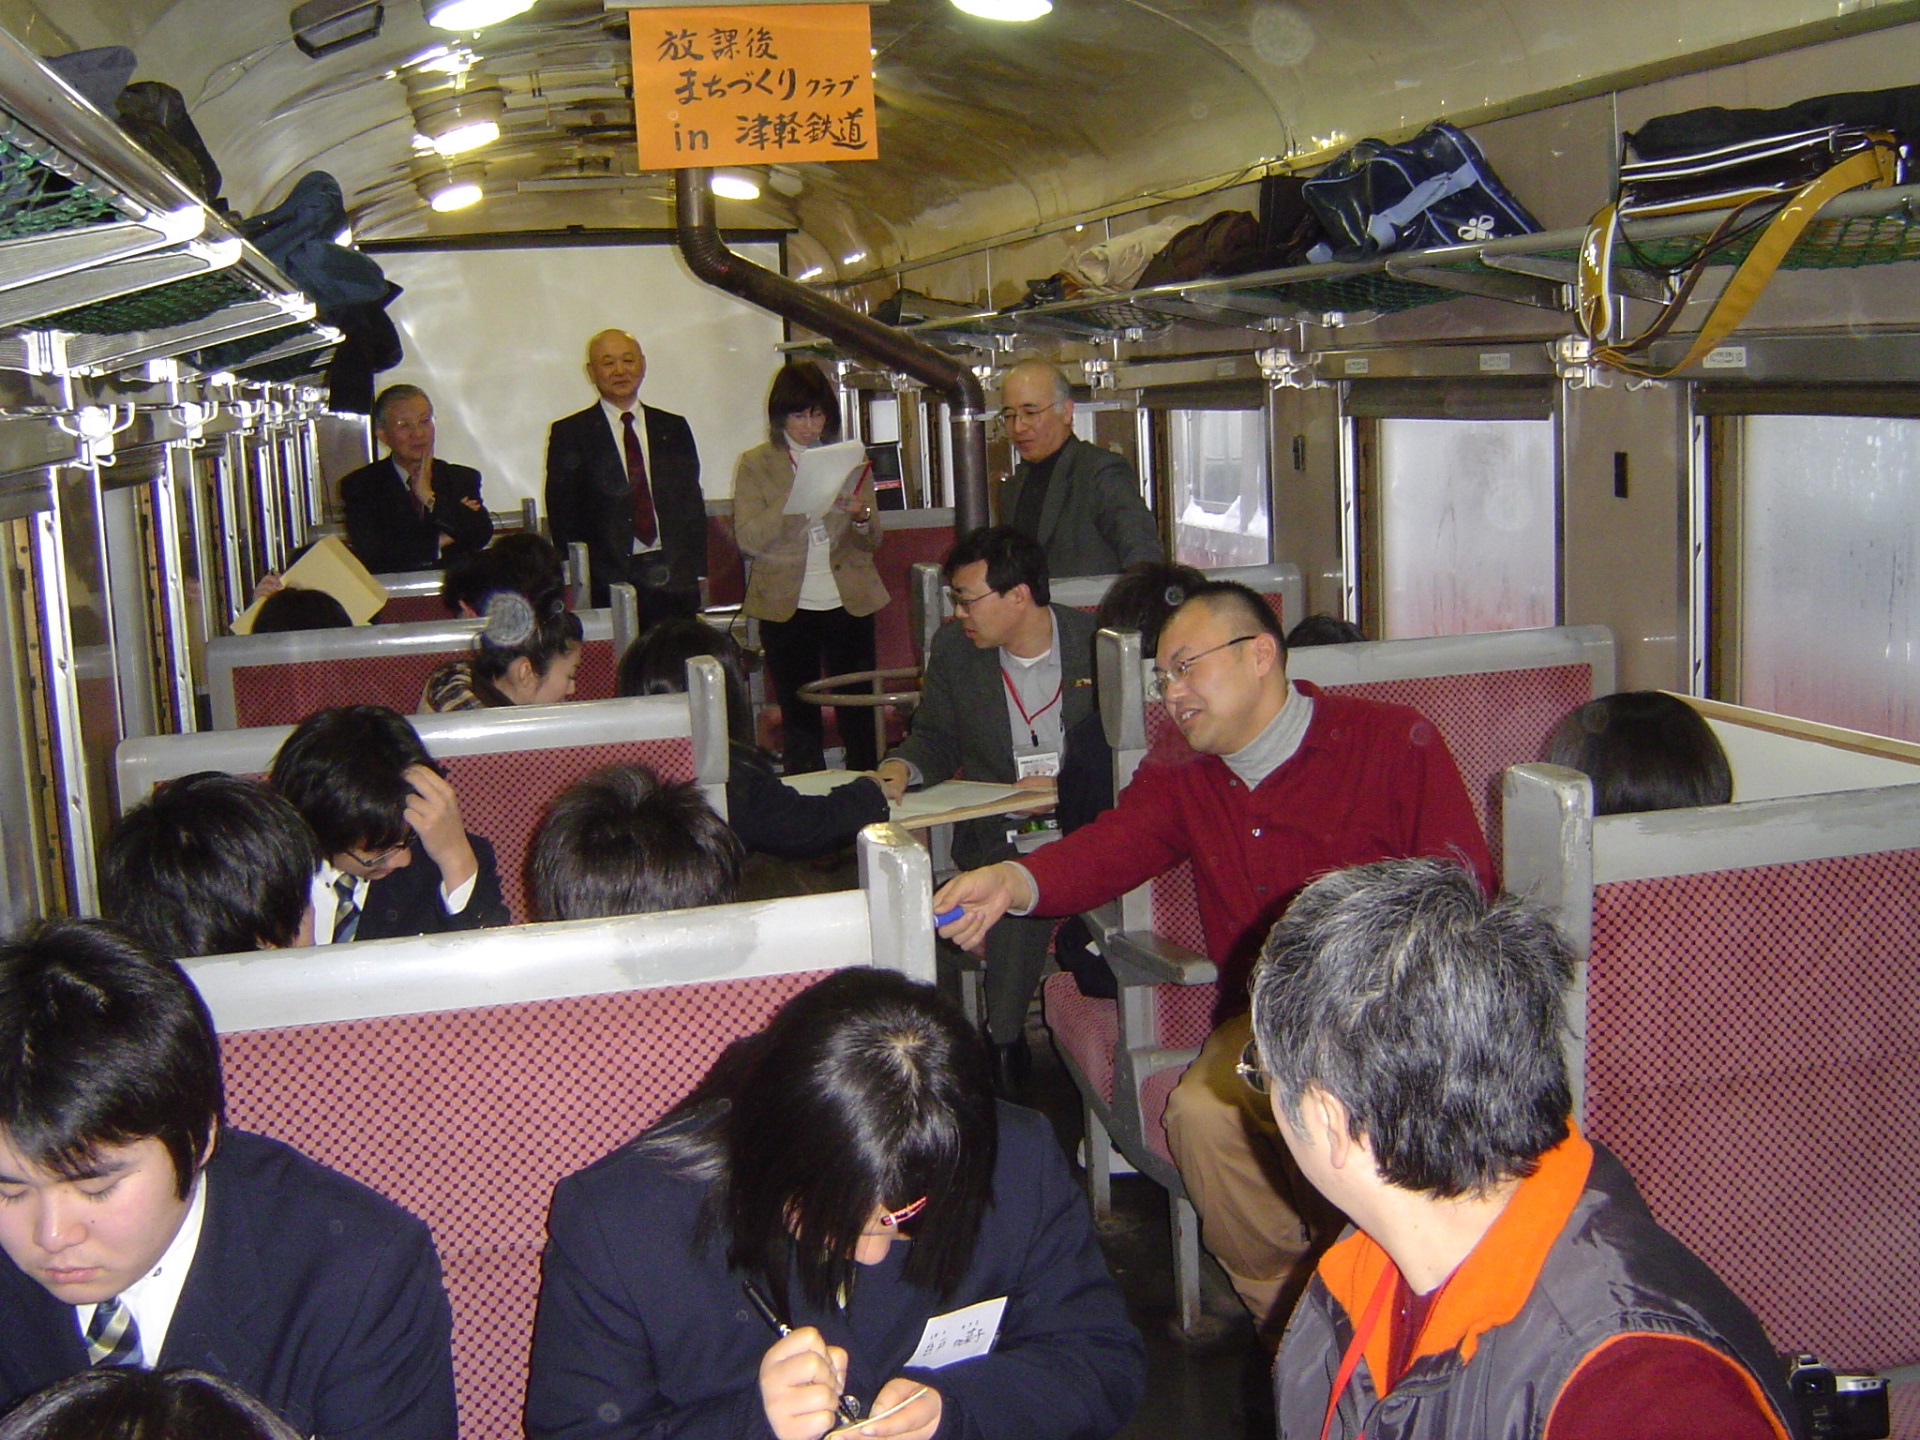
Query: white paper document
[[950, 799], [959, 1335], [823, 473]]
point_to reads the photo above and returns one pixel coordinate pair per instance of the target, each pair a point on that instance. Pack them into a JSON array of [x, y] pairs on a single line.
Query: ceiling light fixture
[[1013, 10], [854, 259], [457, 114], [472, 14], [322, 26], [734, 185], [450, 187]]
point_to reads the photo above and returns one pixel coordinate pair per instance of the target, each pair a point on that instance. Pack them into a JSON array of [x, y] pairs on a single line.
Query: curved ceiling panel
[[987, 130]]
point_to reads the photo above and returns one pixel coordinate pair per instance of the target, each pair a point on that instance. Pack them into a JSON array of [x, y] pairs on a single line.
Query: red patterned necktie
[[644, 526]]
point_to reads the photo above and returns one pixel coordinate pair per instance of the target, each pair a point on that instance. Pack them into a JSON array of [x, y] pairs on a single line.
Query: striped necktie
[[112, 1337], [346, 914]]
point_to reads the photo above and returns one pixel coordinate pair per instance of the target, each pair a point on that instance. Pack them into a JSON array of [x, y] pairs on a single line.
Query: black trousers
[[813, 644]]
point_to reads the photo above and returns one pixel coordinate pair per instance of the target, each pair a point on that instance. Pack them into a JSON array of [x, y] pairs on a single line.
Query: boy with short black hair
[[210, 864], [395, 858], [140, 1231], [623, 842]]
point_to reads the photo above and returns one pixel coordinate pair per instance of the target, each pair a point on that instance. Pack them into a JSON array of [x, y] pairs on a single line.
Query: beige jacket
[[778, 543]]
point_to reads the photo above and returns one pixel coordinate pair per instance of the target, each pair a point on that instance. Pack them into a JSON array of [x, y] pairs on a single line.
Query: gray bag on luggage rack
[[1435, 190]]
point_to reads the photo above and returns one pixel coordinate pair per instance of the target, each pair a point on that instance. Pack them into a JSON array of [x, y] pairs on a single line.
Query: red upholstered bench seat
[[469, 1117]]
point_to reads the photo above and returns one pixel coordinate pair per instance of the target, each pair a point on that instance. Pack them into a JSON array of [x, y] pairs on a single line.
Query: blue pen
[[947, 917]]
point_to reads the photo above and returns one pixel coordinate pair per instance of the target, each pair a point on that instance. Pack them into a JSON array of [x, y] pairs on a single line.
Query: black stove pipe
[[710, 260]]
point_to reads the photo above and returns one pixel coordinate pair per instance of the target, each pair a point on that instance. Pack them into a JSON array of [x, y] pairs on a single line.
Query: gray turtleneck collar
[[1275, 745]]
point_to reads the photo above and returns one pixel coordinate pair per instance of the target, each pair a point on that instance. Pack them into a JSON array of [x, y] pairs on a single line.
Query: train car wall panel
[[498, 339], [1623, 562]]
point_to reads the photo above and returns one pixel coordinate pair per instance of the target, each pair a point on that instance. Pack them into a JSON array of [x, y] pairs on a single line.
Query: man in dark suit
[[625, 479], [1081, 502], [397, 860], [411, 511], [140, 1231], [1006, 682]]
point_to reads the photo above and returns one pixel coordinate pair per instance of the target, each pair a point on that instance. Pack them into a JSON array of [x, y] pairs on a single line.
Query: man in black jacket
[[396, 859], [411, 511], [624, 478], [139, 1230]]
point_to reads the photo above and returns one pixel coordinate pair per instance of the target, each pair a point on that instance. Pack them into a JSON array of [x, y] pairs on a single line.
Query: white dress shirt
[[326, 899], [153, 1297]]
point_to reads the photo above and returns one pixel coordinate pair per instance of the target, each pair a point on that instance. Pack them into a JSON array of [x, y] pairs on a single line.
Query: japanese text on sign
[[753, 86]]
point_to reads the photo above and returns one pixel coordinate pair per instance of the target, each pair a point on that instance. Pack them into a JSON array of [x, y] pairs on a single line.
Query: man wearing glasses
[[396, 858], [1278, 782], [1501, 1265], [1080, 501], [1006, 683]]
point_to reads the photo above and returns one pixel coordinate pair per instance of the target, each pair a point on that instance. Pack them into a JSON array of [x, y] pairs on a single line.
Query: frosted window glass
[[1466, 526], [1829, 540], [1219, 474]]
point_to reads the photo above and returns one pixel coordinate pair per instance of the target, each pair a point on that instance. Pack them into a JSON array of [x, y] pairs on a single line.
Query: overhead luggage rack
[[107, 260], [1863, 227]]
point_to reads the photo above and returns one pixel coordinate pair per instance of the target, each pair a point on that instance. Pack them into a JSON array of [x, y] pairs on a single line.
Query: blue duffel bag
[[1437, 189]]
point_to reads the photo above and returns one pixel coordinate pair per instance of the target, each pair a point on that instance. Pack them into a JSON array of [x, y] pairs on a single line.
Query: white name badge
[[1044, 763], [958, 1335]]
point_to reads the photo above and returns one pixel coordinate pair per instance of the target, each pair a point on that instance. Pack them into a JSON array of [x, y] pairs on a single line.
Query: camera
[[1837, 1406]]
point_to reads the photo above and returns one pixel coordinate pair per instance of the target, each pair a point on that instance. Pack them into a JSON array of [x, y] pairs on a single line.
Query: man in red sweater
[[1504, 1280], [1280, 783]]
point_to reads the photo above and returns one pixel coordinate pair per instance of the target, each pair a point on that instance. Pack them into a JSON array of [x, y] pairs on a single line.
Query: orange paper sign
[[752, 85]]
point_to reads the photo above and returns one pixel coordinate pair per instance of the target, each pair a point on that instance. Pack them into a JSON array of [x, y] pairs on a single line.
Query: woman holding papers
[[812, 585], [841, 1228]]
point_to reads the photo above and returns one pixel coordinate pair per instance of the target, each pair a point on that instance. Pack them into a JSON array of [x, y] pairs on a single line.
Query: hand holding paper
[[823, 474]]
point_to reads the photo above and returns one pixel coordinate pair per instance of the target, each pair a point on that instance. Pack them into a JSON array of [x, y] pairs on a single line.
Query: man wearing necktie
[[140, 1230], [624, 478]]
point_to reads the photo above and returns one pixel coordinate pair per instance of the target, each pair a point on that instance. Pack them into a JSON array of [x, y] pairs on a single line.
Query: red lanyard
[[1032, 733], [1358, 1345]]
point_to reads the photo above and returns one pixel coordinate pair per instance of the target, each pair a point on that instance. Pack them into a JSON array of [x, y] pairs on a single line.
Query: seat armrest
[[1139, 957]]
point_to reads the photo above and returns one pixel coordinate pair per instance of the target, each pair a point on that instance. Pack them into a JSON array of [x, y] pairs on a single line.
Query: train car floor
[[1221, 1394]]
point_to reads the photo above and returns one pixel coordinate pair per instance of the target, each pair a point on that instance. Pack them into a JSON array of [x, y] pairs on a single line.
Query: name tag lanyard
[[1033, 734]]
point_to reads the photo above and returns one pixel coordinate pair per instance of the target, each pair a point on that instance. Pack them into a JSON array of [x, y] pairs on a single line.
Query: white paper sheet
[[823, 472], [949, 795], [958, 1335]]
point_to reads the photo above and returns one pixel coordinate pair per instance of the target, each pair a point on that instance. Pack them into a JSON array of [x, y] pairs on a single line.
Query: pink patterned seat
[[469, 1117], [1753, 1058], [410, 610], [504, 796], [286, 693]]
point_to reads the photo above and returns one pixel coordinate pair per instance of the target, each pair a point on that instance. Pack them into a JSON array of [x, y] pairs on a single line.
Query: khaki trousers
[[1259, 1217]]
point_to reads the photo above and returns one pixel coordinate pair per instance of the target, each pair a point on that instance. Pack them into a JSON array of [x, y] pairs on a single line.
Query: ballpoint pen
[[848, 1407]]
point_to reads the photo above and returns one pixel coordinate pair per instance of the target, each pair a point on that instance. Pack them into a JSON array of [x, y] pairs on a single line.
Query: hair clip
[[895, 1218], [509, 619]]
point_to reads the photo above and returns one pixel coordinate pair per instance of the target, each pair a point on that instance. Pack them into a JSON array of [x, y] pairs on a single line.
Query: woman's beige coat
[[778, 543]]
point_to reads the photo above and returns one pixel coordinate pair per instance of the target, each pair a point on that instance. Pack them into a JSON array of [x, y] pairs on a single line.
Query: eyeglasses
[[1023, 414], [1249, 1069], [894, 1219], [966, 602], [374, 862], [1178, 670]]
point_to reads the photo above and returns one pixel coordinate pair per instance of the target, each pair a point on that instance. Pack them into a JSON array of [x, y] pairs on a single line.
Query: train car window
[[1825, 617], [32, 881], [89, 620], [1217, 480], [1464, 526]]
